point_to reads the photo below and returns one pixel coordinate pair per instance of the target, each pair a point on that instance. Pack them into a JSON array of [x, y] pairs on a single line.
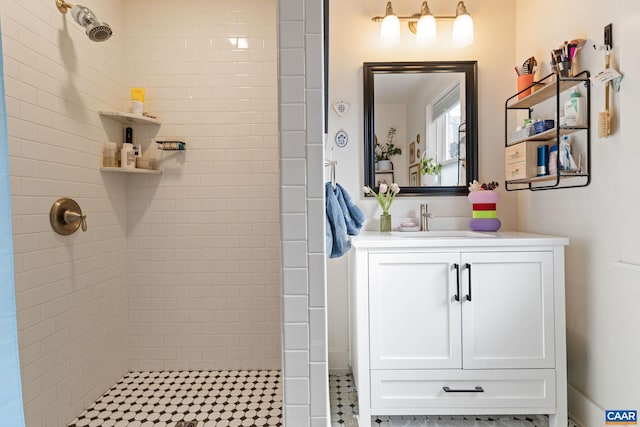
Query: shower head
[[96, 31]]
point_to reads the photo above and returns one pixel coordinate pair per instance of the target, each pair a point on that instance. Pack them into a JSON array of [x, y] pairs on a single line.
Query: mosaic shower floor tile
[[188, 399]]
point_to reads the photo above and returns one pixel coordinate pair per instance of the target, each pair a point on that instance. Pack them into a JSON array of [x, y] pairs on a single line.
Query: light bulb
[[462, 27], [426, 32], [390, 30]]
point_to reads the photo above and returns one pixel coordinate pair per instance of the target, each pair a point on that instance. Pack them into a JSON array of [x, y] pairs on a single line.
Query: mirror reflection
[[420, 126]]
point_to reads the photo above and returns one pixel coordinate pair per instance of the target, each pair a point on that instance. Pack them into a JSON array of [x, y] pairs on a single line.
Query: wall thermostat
[[341, 138]]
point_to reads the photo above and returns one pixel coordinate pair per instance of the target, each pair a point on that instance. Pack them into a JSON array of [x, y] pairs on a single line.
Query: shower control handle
[[66, 217], [71, 217]]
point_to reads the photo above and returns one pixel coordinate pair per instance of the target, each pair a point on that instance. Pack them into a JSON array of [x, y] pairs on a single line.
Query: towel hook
[[332, 164]]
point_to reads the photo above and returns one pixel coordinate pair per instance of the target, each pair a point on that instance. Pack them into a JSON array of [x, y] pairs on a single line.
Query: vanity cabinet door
[[508, 323], [414, 317]]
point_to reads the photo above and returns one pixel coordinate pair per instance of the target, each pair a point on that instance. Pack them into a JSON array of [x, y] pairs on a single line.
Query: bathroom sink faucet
[[424, 217]]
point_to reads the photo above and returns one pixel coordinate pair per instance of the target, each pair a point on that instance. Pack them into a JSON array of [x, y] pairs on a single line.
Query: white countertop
[[373, 239]]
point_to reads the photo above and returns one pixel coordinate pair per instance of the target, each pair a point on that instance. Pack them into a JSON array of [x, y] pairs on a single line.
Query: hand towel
[[353, 216], [339, 242]]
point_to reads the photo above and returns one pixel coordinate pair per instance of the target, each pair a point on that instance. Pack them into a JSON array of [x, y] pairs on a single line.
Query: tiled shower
[[179, 272]]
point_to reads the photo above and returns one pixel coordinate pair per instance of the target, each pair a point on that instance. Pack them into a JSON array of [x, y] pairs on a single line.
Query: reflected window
[[444, 118]]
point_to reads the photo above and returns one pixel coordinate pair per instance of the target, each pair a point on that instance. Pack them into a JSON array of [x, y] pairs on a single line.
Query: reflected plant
[[429, 166], [388, 149]]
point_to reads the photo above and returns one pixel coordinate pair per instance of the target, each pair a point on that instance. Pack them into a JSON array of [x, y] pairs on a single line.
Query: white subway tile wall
[[204, 238], [201, 242], [71, 290], [301, 152]]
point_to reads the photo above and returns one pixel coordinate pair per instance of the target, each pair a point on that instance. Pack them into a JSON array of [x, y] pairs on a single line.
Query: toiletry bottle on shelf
[[553, 160], [566, 159], [542, 160], [576, 108], [128, 159], [137, 100], [109, 155]]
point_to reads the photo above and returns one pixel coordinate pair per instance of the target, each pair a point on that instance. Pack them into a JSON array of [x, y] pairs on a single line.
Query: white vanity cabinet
[[458, 326]]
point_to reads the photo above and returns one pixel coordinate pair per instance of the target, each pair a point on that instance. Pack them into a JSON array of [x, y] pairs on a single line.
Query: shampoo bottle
[[128, 159]]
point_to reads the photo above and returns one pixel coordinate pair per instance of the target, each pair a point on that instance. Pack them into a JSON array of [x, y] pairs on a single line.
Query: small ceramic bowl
[[543, 125]]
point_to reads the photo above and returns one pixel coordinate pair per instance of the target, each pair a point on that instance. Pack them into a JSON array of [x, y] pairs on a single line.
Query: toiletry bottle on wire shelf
[[576, 108]]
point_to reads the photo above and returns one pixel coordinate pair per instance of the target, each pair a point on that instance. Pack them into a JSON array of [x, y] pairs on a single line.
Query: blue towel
[[339, 243], [343, 218], [353, 216]]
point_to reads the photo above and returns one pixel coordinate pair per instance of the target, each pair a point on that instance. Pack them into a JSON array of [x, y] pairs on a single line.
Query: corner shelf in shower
[[130, 118], [133, 171]]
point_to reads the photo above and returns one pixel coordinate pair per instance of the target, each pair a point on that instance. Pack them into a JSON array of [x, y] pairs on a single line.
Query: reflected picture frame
[[414, 175]]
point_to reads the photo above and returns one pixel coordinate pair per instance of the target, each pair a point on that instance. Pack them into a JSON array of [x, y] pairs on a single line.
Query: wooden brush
[[604, 118]]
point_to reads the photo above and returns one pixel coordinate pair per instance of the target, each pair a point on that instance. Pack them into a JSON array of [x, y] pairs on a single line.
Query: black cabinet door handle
[[468, 267], [457, 267], [477, 389]]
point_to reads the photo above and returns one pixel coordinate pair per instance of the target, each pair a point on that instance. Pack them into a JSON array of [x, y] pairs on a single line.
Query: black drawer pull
[[457, 267], [468, 267], [477, 389]]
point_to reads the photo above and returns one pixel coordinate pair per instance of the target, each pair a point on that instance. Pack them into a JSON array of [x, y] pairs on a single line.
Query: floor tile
[[188, 399], [344, 409]]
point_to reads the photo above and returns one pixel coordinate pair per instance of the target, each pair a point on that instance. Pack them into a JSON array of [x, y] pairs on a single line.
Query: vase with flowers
[[484, 199], [385, 195]]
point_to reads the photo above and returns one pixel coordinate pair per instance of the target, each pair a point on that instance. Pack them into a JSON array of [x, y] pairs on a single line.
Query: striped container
[[484, 210]]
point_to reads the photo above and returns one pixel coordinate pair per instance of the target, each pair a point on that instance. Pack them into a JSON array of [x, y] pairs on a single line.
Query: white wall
[[601, 219], [354, 39], [203, 239], [71, 290]]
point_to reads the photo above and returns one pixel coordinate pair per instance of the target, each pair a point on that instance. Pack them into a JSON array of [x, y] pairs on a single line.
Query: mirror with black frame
[[420, 126]]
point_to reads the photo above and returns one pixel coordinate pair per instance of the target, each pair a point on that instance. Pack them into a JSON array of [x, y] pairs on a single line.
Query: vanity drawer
[[423, 391], [526, 151], [521, 160], [515, 153], [518, 171]]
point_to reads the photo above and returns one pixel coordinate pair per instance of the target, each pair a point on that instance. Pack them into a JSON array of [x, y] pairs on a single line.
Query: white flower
[[385, 195], [474, 186]]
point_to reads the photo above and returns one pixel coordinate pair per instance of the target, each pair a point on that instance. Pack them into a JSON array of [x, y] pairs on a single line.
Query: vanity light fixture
[[423, 25]]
